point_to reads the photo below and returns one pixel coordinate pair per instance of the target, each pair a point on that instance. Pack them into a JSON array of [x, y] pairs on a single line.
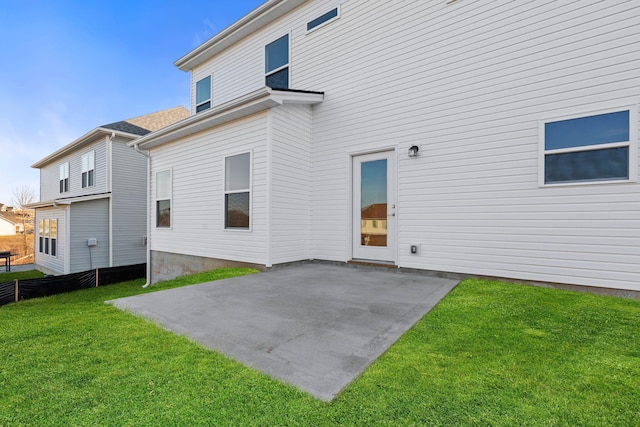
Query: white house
[[93, 191], [501, 136], [8, 227]]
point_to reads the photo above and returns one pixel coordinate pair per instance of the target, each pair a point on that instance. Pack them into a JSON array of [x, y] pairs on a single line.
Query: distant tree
[[22, 196]]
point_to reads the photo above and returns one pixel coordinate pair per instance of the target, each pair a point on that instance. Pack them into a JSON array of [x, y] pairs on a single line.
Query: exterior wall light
[[413, 151]]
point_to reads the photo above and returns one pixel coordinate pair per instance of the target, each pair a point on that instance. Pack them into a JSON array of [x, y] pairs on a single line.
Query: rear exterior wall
[[468, 82]]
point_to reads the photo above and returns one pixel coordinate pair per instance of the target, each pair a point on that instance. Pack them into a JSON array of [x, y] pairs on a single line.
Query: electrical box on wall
[[92, 241], [144, 240], [415, 249]]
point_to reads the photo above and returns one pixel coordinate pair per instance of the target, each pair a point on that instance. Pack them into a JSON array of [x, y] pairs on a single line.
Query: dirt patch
[[21, 245]]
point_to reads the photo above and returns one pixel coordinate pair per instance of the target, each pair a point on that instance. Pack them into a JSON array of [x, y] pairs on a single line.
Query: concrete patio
[[315, 326]]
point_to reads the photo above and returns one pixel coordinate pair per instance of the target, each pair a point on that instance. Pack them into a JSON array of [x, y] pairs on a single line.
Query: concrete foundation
[[167, 265]]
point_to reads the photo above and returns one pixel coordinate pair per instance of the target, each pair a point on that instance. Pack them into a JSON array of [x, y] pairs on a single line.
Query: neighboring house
[[92, 211], [9, 227], [502, 137]]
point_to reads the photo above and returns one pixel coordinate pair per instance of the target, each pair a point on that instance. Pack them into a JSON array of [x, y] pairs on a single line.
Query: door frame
[[393, 231]]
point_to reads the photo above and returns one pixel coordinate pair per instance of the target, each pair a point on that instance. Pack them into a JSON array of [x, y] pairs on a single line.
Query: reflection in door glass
[[373, 203]]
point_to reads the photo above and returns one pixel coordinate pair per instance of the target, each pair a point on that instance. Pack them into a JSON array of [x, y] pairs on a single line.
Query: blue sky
[[69, 66]]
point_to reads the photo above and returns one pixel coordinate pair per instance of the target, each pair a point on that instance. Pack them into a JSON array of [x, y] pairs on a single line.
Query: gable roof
[[129, 129], [254, 20], [11, 218]]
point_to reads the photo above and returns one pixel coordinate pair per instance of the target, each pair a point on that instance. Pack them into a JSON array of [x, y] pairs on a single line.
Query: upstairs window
[[588, 148], [64, 177], [163, 199], [237, 191], [88, 167], [203, 94], [277, 63], [323, 19]]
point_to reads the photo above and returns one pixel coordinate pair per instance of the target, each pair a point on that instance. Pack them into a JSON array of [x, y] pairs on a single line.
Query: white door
[[374, 216]]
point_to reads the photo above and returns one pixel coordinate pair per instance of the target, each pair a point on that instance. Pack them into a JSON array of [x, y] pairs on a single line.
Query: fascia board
[[253, 21], [80, 142]]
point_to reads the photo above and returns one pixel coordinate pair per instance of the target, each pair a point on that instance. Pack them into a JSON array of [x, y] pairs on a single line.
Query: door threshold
[[373, 263]]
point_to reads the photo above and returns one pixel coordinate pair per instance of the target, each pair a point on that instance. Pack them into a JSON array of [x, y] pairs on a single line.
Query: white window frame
[[632, 144], [249, 190], [64, 178], [282, 67], [195, 88], [325, 23], [157, 199], [87, 167]]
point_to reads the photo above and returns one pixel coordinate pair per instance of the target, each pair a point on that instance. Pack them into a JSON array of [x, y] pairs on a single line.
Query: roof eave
[[254, 20], [78, 143], [251, 103]]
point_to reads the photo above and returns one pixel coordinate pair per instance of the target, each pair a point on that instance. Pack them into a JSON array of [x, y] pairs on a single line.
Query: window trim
[[225, 192], [632, 145], [196, 104], [282, 67], [91, 167], [64, 177], [324, 23], [156, 200]]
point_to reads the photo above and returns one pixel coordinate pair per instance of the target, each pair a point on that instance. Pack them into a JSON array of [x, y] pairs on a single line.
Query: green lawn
[[489, 354], [20, 275]]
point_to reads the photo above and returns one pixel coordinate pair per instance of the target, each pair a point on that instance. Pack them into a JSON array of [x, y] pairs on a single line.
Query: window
[[53, 231], [88, 166], [46, 236], [203, 94], [41, 235], [323, 19], [277, 63], [64, 177], [163, 199], [237, 190], [588, 148]]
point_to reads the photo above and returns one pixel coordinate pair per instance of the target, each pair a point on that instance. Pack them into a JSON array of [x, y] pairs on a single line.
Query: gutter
[[147, 154]]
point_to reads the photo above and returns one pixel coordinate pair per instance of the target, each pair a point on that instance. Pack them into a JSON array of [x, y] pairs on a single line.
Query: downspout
[[110, 190], [148, 156]]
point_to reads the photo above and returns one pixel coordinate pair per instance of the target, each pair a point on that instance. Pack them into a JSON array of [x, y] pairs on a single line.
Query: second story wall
[[241, 68], [50, 174]]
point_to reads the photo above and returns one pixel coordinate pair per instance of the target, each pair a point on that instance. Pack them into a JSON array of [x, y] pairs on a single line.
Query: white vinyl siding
[[50, 174], [241, 69], [128, 204], [291, 184], [197, 216], [469, 85]]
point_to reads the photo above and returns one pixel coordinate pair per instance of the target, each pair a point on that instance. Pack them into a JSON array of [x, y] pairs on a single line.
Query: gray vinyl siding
[[197, 205], [89, 219], [291, 184], [46, 262], [50, 174], [129, 195]]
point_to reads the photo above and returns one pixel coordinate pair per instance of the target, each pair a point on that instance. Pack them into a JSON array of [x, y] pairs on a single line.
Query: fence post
[[16, 290], [96, 277]]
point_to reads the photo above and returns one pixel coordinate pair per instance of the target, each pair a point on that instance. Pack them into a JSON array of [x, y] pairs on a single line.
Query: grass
[[20, 275], [489, 354]]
